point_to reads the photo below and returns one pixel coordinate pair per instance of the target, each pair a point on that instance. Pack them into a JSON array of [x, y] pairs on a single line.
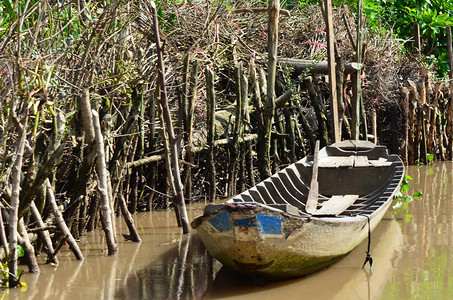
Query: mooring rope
[[368, 258]]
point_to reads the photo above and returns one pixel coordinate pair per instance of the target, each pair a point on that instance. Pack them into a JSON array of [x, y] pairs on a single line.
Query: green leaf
[[408, 177], [430, 157], [20, 251], [407, 218], [418, 194], [9, 7], [408, 198]]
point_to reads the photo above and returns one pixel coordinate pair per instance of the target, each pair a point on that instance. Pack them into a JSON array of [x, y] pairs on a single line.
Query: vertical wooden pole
[[332, 77], [233, 143], [174, 161], [188, 130], [14, 206], [417, 43], [404, 120], [272, 44], [210, 93], [101, 170], [355, 130]]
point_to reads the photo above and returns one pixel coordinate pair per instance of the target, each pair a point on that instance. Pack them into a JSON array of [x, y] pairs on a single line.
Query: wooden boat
[[271, 231]]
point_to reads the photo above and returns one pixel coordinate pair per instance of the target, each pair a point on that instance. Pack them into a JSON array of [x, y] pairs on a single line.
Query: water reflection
[[184, 272], [412, 252], [426, 267]]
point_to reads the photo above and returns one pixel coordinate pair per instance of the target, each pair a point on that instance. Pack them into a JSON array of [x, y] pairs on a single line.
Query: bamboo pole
[[169, 124]]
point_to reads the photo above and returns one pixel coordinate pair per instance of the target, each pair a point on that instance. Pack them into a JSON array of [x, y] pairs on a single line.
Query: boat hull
[[268, 231], [276, 245]]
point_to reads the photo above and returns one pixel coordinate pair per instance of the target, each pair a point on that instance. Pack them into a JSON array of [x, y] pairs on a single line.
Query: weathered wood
[[417, 43], [319, 108], [289, 129], [14, 205], [101, 170], [312, 200], [272, 44], [331, 67], [44, 235], [355, 107], [210, 99], [361, 161], [188, 131], [307, 129], [356, 91], [3, 240], [336, 205], [322, 67], [29, 250], [339, 73], [283, 12], [283, 99], [133, 233], [233, 145], [61, 224], [405, 122], [169, 124]]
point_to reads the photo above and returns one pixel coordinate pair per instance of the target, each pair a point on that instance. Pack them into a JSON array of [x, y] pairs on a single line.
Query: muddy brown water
[[412, 250]]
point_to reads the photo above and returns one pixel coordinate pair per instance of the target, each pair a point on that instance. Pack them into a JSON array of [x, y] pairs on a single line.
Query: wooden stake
[[272, 44], [332, 77], [101, 170], [174, 161], [210, 95]]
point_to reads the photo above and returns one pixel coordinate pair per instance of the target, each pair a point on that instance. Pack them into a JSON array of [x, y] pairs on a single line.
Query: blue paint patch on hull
[[221, 222], [269, 224], [250, 222]]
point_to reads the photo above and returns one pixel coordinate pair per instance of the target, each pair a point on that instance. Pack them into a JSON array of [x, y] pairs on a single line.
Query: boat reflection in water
[[187, 271]]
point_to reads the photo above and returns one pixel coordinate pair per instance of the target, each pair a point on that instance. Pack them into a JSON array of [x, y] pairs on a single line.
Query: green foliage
[[403, 199], [401, 15], [4, 270]]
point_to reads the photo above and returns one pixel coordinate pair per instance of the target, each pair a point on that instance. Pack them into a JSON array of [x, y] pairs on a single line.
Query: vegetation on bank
[[85, 132]]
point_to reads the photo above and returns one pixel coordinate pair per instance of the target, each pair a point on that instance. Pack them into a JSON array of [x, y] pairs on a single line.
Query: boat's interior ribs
[[288, 188]]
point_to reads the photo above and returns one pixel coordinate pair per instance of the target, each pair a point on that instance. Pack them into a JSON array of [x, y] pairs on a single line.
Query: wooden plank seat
[[336, 205]]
